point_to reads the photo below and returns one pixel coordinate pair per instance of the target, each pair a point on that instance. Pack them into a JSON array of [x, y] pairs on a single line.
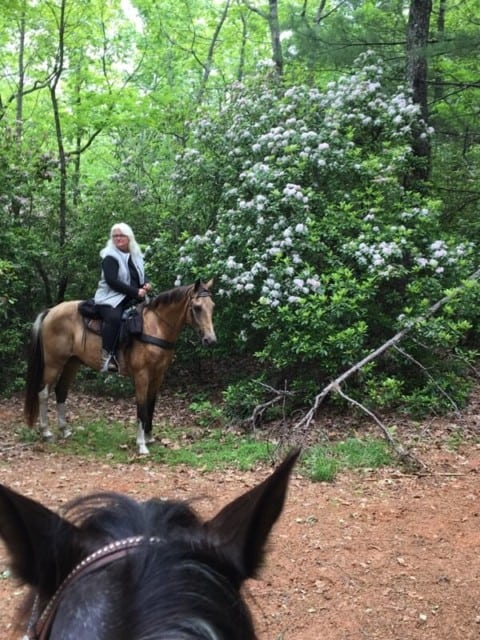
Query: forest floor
[[379, 554]]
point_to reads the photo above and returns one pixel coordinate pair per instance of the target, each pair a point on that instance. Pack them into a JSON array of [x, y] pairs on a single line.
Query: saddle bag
[[132, 324], [133, 321]]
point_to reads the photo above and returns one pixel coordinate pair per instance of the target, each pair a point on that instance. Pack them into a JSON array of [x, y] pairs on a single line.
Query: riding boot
[[109, 362]]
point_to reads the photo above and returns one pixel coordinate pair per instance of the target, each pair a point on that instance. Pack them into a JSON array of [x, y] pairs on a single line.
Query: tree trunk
[[207, 67], [21, 78], [416, 77], [274, 26], [62, 161], [243, 48], [440, 35]]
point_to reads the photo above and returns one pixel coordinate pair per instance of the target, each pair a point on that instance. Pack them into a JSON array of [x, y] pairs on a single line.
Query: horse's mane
[[177, 294], [169, 297]]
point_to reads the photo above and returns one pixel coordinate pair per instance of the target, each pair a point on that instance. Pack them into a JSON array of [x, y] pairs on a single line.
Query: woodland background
[[320, 160]]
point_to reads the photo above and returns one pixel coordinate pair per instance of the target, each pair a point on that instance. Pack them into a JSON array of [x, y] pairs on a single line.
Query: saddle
[[131, 325]]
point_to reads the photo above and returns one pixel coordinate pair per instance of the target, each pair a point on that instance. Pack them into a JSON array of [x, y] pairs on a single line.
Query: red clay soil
[[376, 554]]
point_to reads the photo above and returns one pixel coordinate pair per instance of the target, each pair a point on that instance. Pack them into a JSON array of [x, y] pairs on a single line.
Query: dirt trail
[[374, 555]]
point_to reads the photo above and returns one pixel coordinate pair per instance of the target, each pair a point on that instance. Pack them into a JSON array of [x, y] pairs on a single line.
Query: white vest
[[104, 293]]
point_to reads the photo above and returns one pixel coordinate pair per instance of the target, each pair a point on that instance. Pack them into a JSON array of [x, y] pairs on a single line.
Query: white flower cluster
[[282, 159], [379, 257], [439, 255]]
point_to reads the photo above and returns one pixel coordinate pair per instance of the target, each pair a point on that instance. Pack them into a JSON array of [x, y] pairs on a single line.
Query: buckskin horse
[[115, 568], [61, 342]]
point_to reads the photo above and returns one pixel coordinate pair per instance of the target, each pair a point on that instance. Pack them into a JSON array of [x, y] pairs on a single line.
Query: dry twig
[[404, 456]]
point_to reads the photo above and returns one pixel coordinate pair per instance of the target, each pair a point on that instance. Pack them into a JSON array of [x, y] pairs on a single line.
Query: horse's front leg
[[145, 411], [43, 413]]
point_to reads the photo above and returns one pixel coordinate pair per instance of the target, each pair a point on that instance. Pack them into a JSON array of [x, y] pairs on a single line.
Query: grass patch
[[213, 448], [100, 439], [218, 450], [208, 449], [322, 464], [27, 435]]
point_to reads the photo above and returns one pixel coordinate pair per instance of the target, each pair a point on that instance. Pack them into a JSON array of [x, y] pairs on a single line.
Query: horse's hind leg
[[61, 392], [43, 413]]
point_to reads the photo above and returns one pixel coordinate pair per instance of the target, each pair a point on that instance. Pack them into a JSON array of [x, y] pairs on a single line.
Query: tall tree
[[417, 78], [271, 16]]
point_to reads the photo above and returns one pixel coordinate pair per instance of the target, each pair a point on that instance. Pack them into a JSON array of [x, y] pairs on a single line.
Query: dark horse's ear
[[34, 537], [241, 529]]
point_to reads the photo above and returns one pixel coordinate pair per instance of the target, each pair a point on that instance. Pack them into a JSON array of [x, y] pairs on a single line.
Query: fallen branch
[[260, 409], [335, 384], [17, 445]]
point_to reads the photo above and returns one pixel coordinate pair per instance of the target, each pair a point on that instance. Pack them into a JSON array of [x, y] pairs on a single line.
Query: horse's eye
[[197, 308]]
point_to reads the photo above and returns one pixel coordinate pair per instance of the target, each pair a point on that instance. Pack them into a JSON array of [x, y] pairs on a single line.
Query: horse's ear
[[33, 536], [199, 283], [241, 529]]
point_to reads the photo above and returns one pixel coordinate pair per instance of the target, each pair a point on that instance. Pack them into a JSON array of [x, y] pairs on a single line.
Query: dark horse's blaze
[[60, 344], [117, 568]]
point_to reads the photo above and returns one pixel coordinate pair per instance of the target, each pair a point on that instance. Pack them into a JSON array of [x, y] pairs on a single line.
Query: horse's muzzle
[[209, 340]]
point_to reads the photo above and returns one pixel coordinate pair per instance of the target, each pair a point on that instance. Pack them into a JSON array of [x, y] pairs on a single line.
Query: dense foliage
[[320, 252], [241, 141]]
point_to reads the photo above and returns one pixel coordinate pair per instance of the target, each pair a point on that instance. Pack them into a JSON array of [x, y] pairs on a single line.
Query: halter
[[38, 628]]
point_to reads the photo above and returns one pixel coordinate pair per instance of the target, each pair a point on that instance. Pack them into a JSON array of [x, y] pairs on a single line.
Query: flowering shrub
[[297, 204]]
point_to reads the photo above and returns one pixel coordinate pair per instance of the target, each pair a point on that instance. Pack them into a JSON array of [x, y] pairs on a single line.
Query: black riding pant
[[111, 320]]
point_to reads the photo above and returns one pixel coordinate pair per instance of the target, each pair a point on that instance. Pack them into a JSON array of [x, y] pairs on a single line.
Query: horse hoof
[[66, 433], [47, 436], [143, 450], [150, 439]]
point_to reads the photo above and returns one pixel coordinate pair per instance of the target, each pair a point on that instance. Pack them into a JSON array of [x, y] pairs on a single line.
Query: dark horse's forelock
[[114, 516]]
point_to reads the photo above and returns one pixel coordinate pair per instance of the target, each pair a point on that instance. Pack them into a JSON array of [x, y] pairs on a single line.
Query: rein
[[39, 629]]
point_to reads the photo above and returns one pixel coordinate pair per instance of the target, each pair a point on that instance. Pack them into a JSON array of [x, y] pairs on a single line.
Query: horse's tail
[[35, 365]]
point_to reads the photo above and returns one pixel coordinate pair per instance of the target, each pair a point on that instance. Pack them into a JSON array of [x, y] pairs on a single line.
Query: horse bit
[[39, 626]]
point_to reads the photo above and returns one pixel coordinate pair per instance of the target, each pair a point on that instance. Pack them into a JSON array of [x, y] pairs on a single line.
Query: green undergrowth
[[212, 449]]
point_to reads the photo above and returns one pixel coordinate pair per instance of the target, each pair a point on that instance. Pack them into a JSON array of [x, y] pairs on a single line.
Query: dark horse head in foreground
[[118, 569]]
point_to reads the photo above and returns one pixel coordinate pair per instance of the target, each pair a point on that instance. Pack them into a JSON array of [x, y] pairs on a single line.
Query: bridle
[[166, 344], [39, 625]]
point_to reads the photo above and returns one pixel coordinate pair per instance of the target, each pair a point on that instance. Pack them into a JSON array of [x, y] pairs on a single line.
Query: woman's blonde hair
[[126, 229]]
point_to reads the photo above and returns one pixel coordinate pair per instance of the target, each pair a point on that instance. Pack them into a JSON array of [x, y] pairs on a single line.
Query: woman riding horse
[[122, 283], [61, 343]]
